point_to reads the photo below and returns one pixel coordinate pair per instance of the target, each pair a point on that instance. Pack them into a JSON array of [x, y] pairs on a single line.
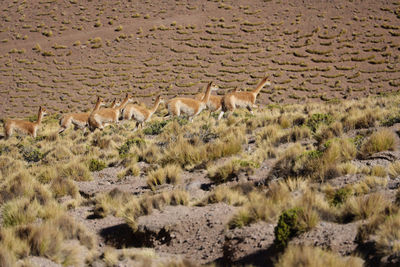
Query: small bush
[[391, 120], [155, 128], [317, 119], [96, 165], [31, 154], [341, 195], [289, 225], [123, 150]]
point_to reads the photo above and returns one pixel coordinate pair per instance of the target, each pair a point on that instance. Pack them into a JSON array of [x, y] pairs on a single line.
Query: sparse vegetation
[[314, 256]]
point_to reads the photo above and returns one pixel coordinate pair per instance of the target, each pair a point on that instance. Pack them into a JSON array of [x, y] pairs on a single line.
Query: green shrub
[[4, 149], [155, 128], [388, 122], [123, 150], [288, 226], [341, 195], [31, 154], [96, 165], [316, 119]]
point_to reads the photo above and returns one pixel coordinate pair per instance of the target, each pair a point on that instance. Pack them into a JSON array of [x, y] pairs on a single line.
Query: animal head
[[214, 87], [128, 97], [100, 100], [160, 98], [268, 83], [43, 110]]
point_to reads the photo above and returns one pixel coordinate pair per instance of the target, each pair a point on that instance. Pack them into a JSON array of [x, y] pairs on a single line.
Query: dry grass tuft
[[6, 257], [61, 186], [315, 257], [117, 203], [225, 194], [379, 170], [394, 169], [171, 174], [262, 207], [388, 235], [381, 140], [364, 207]]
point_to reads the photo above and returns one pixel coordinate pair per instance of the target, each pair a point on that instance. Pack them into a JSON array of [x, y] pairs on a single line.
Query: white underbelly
[[186, 109], [241, 103]]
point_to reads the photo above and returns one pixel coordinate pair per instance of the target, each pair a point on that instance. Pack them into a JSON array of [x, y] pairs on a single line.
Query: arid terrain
[[67, 52], [310, 177]]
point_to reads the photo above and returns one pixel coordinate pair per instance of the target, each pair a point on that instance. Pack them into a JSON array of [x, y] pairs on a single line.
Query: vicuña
[[190, 106], [79, 120], [214, 104], [139, 113], [234, 100], [102, 117], [24, 127]]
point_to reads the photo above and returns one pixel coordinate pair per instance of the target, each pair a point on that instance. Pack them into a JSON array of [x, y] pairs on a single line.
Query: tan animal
[[141, 114], [214, 103], [234, 100], [102, 117], [24, 127], [79, 120], [189, 106]]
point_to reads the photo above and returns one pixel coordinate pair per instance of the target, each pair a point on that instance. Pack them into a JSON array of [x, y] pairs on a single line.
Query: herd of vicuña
[[178, 106]]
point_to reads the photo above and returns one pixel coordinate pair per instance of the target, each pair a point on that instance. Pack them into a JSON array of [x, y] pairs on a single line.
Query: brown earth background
[[62, 54]]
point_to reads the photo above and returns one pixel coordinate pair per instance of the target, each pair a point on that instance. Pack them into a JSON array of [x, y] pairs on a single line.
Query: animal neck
[[123, 104], [260, 86], [40, 116], [98, 103], [155, 107], [207, 94]]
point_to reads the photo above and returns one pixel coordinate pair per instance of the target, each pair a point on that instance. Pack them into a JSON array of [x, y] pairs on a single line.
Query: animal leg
[[62, 129], [220, 115], [251, 111]]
